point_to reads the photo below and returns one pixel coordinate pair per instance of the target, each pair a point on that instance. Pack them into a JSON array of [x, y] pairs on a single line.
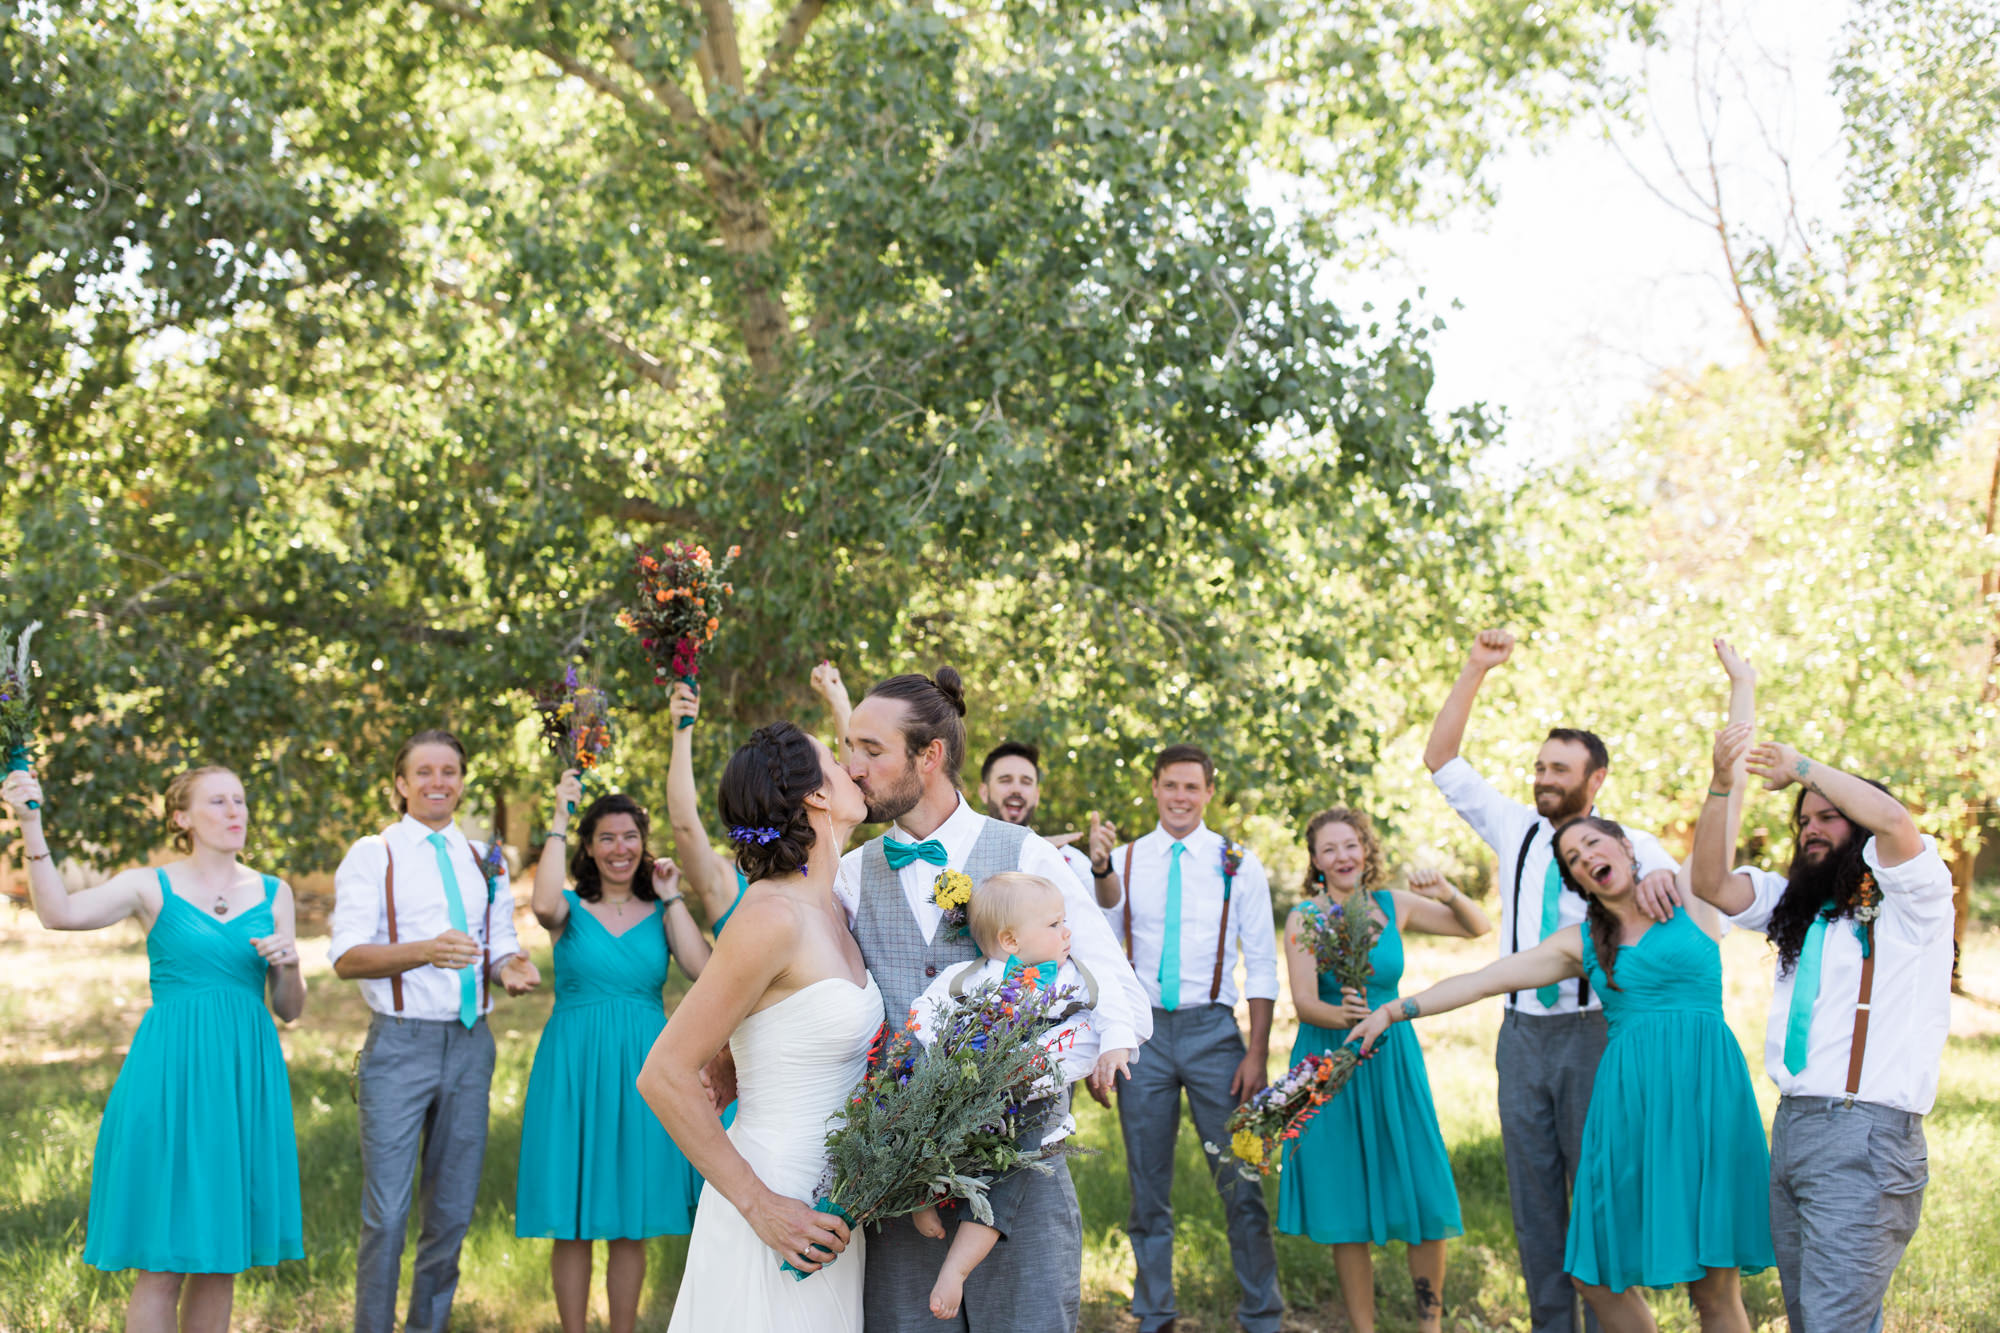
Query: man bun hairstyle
[[180, 798], [1011, 750], [1600, 758], [1597, 918], [763, 800], [428, 736], [1184, 754], [583, 872], [933, 709]]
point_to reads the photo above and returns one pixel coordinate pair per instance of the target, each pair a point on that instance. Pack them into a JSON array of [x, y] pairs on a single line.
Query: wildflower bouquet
[[1340, 939], [576, 723], [681, 595], [17, 703], [1260, 1128], [943, 1120]]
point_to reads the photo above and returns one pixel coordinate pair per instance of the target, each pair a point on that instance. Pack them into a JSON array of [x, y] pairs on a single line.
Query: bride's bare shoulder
[[766, 918]]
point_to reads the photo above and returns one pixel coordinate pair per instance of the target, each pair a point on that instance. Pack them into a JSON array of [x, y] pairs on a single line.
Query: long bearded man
[[1861, 923]]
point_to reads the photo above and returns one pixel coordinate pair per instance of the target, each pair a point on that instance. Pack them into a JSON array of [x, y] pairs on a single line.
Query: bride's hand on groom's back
[[793, 1229]]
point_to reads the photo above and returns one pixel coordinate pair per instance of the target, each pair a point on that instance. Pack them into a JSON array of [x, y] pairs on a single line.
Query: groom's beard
[[897, 801]]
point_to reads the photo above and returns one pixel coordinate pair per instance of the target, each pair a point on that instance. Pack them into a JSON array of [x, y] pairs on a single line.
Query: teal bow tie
[[901, 854], [1044, 973]]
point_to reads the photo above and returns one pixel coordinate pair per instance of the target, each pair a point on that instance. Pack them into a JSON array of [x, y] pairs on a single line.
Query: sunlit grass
[[68, 1005]]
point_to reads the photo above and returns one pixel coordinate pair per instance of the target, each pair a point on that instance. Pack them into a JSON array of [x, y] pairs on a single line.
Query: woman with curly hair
[[196, 1173], [1673, 1173], [1371, 1167], [595, 1164]]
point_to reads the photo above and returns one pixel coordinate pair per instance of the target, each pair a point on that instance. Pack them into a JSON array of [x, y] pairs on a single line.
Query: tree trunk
[[1964, 857]]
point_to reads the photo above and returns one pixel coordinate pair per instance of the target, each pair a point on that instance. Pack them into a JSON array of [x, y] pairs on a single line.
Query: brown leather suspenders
[[1860, 1046], [485, 933], [1221, 933]]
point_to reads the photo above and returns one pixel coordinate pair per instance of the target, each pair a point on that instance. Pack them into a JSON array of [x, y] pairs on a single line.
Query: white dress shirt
[[1909, 1012], [1074, 1043], [1127, 1019], [1079, 865], [1502, 824], [361, 916], [1251, 930]]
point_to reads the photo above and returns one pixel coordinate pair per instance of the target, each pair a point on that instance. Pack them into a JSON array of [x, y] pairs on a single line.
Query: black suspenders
[[1521, 864]]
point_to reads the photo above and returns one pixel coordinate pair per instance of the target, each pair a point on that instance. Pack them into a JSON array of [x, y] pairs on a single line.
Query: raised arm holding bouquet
[[682, 593], [576, 724], [17, 703]]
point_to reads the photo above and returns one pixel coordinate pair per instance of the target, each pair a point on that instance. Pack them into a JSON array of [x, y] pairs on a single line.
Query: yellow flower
[[1247, 1146], [951, 889]]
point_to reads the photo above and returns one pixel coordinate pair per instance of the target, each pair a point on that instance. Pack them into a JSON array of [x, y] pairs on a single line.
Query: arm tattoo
[[1411, 1009], [1801, 768]]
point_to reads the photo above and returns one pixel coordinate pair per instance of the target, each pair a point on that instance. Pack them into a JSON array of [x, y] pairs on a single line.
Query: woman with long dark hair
[[595, 1163], [1674, 1180]]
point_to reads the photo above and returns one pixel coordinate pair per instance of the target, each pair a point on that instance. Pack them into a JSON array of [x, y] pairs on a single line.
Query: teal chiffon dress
[[1371, 1165], [197, 1168], [1674, 1176], [595, 1163]]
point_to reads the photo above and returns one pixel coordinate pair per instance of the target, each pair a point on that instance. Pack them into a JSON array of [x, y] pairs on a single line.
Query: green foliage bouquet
[[17, 702], [1340, 940], [682, 592], [944, 1120]]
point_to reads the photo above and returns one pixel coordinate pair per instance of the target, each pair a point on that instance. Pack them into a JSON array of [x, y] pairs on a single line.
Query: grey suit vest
[[892, 944]]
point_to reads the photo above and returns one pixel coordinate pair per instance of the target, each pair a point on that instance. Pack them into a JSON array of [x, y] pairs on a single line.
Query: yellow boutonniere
[[951, 889]]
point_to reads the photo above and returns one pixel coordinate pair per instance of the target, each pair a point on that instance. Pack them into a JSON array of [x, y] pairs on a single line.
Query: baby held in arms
[[1019, 924]]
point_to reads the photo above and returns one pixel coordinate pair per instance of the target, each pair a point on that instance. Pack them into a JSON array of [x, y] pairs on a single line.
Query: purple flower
[[569, 676]]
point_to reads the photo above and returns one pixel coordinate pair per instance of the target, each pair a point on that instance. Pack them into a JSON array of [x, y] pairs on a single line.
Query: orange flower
[[712, 623], [661, 595], [699, 602]]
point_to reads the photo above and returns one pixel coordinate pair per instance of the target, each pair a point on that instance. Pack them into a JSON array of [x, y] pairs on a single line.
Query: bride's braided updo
[[763, 800]]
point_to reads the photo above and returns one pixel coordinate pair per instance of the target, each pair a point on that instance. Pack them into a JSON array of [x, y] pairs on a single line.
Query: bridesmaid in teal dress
[[1675, 1179], [196, 1174], [595, 1163], [1371, 1167]]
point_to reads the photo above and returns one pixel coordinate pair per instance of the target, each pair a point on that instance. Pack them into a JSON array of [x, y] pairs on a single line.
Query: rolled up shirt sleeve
[[1497, 820], [1125, 1014], [1917, 894], [1256, 933], [1766, 887], [360, 914]]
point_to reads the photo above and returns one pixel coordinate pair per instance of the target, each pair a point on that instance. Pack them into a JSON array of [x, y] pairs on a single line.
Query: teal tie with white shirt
[[468, 982], [1170, 942]]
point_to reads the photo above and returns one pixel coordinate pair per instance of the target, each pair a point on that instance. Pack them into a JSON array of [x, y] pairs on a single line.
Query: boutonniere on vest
[[1867, 907], [950, 892]]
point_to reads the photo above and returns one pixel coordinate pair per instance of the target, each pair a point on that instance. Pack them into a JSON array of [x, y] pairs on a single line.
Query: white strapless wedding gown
[[796, 1064]]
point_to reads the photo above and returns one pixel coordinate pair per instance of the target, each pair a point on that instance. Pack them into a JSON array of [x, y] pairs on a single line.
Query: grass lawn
[[69, 1004]]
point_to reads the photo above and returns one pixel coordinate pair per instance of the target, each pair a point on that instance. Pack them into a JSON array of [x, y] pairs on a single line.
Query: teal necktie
[[1805, 992], [901, 853], [1170, 946], [1552, 891], [1043, 974], [468, 981]]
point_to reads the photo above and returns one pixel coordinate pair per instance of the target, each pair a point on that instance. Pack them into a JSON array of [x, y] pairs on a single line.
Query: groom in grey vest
[[905, 748]]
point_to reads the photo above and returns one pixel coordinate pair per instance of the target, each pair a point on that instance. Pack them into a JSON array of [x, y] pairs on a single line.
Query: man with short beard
[[1010, 787], [1552, 1038], [905, 748], [1861, 923]]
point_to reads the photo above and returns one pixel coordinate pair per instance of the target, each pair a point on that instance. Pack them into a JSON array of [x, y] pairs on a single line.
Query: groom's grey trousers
[[1032, 1282], [1197, 1048], [423, 1093]]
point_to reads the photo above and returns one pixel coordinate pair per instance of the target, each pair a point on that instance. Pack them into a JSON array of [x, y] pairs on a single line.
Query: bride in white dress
[[786, 988]]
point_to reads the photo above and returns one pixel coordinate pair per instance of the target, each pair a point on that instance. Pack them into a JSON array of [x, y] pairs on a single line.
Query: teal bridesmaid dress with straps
[[197, 1167], [595, 1162], [1674, 1177], [1371, 1166]]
